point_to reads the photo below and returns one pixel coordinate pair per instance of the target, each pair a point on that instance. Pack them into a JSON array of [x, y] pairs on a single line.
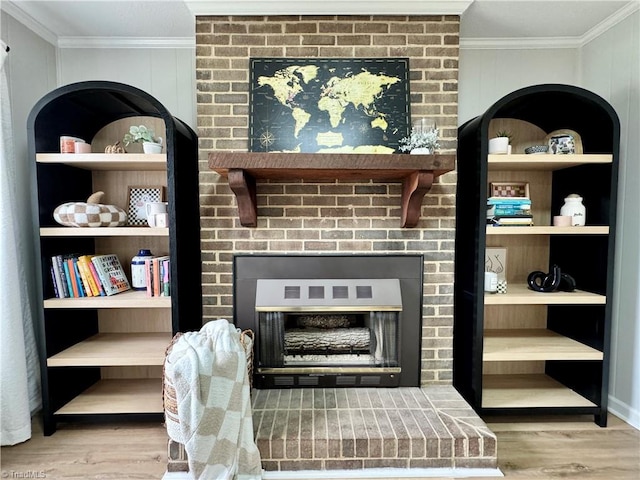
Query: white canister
[[138, 269], [490, 282], [574, 208]]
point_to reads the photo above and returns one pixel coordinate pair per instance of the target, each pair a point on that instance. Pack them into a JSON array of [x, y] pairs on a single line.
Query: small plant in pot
[[420, 142], [500, 143], [144, 135]]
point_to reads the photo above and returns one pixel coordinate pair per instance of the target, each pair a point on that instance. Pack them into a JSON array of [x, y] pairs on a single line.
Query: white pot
[[421, 151], [499, 145], [152, 147]]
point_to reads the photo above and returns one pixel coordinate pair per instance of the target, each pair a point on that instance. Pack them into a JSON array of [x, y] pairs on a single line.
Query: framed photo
[[509, 189], [495, 260], [137, 200]]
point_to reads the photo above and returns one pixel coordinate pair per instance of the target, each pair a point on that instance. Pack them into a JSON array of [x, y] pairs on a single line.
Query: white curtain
[[19, 375]]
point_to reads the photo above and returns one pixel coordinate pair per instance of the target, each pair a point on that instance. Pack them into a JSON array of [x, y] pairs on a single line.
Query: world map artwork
[[328, 105]]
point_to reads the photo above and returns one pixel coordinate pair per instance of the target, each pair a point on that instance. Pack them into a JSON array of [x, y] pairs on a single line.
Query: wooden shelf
[[522, 295], [545, 162], [415, 172], [136, 395], [114, 350], [533, 344], [548, 230], [106, 161], [104, 232], [128, 299], [526, 391]]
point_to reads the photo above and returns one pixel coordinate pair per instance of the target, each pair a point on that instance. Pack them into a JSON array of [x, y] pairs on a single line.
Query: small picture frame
[[495, 260], [137, 200], [509, 189]]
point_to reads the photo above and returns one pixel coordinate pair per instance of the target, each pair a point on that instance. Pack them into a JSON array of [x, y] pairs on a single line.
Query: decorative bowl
[[537, 149]]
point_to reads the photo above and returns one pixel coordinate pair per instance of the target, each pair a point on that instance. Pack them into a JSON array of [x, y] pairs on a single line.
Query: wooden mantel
[[416, 172]]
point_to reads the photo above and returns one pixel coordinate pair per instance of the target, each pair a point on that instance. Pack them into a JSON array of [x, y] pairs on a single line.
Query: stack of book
[[158, 276], [509, 211], [76, 275]]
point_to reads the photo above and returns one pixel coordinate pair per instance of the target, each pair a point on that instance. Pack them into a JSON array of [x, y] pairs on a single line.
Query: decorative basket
[[169, 398]]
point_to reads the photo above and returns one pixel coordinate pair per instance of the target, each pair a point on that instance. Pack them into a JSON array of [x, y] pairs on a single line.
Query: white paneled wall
[[487, 75], [168, 74], [611, 68]]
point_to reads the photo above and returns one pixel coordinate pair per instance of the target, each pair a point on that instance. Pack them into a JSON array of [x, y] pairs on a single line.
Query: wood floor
[[544, 448]]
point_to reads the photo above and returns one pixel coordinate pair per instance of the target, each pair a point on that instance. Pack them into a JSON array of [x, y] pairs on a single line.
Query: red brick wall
[[332, 217]]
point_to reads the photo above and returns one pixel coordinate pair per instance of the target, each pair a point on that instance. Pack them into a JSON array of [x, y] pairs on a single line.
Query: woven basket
[[169, 399]]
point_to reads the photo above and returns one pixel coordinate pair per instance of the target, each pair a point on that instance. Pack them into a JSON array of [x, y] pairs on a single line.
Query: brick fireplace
[[333, 217], [324, 428]]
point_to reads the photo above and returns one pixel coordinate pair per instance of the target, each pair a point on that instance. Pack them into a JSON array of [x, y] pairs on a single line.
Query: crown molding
[[29, 22], [610, 22], [127, 42], [519, 43], [327, 7]]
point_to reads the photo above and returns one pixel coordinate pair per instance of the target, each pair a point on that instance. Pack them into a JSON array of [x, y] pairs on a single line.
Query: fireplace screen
[[331, 320], [328, 326]]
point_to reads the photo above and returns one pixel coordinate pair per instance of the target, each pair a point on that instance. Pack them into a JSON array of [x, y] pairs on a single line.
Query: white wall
[[487, 75], [168, 74], [610, 67]]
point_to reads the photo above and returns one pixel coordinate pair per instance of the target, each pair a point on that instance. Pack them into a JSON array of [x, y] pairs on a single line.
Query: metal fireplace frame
[[408, 269]]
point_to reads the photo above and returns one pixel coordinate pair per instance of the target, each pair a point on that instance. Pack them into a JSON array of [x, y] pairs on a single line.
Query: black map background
[[267, 114]]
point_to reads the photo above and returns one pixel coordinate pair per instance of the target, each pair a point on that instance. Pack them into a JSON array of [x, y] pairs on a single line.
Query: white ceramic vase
[[574, 208]]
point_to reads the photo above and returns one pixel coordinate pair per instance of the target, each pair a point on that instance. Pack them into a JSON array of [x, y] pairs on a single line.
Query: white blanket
[[208, 370]]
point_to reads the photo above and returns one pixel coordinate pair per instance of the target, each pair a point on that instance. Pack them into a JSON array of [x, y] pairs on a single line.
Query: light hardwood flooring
[[535, 449]]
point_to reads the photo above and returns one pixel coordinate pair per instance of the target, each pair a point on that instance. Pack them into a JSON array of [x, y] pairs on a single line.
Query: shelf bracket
[[414, 187], [243, 186]]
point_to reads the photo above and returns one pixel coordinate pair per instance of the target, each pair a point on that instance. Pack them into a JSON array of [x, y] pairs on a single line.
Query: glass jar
[[138, 270]]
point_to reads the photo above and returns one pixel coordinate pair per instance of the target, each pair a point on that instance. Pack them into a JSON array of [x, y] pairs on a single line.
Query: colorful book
[[57, 278], [166, 278], [71, 277], [81, 291], [54, 281], [96, 278], [87, 277], [111, 273]]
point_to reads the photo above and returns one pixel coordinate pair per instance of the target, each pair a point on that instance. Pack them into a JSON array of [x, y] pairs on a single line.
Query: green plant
[[420, 139], [139, 134], [504, 133]]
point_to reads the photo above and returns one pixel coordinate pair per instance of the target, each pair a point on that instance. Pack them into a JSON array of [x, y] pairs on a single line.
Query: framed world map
[[328, 105]]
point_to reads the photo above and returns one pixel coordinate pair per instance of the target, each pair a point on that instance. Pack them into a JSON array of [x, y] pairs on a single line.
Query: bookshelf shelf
[[114, 350], [128, 299], [533, 344], [104, 232], [528, 391], [549, 230], [139, 395], [546, 162], [104, 355], [106, 161], [522, 295]]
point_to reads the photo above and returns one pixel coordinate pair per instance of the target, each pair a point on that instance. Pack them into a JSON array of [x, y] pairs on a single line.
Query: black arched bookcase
[[527, 352], [102, 357]]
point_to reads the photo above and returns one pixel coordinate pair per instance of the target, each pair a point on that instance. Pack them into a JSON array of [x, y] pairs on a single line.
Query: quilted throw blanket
[[208, 370]]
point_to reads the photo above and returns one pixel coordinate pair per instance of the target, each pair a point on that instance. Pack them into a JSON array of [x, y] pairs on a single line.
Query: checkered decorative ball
[[81, 214], [502, 286]]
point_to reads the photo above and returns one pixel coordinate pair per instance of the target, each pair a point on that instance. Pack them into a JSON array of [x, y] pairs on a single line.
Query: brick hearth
[[350, 429]]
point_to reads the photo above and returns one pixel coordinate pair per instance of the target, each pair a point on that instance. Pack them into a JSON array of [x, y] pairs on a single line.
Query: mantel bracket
[[414, 187], [243, 186]]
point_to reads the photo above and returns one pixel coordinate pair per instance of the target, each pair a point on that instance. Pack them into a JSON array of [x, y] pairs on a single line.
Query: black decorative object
[[552, 281]]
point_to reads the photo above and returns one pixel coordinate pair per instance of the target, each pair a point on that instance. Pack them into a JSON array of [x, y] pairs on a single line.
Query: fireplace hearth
[[331, 320]]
